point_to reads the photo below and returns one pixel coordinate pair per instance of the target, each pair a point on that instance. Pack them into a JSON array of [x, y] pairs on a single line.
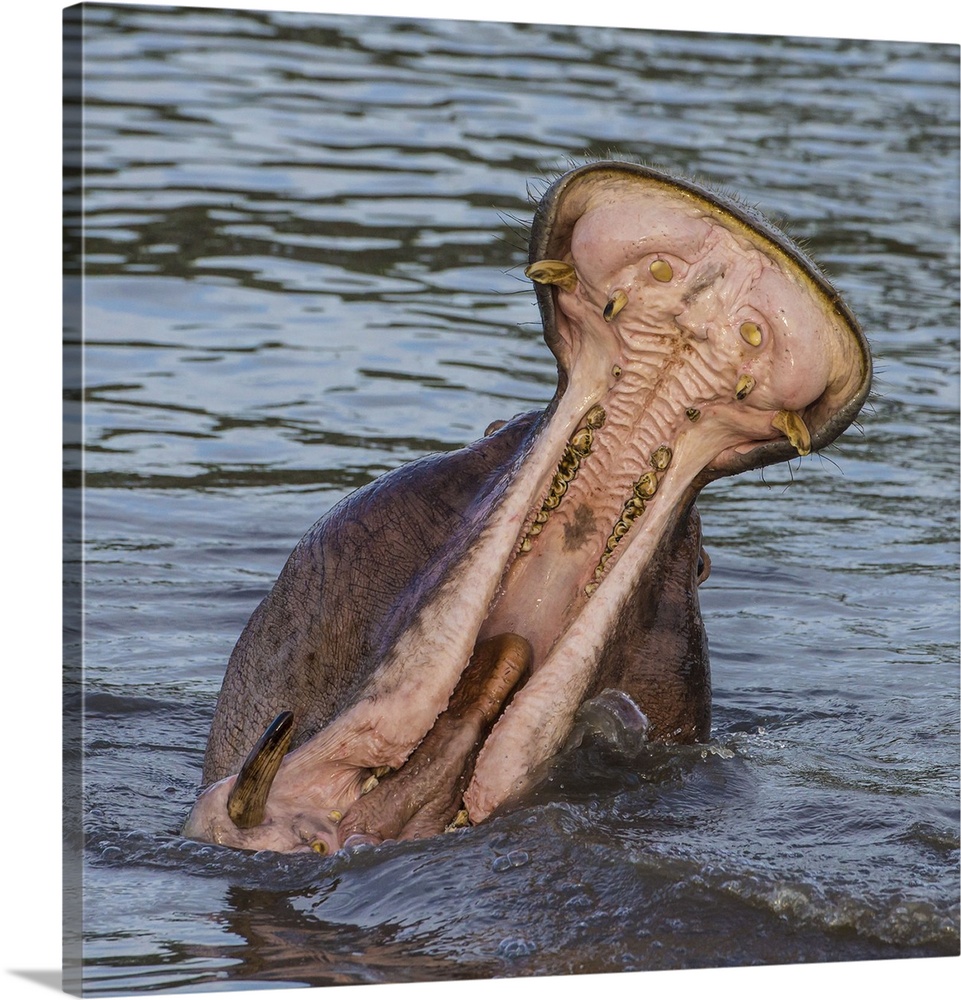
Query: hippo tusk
[[553, 272], [795, 430], [247, 801]]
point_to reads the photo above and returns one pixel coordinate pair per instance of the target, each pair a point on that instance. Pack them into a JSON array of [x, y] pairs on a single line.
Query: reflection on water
[[304, 245]]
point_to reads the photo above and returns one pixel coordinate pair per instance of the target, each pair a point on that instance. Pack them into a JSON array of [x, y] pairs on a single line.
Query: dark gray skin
[[428, 644]]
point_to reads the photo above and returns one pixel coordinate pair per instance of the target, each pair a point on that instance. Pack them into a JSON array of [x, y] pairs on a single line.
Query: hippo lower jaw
[[691, 343]]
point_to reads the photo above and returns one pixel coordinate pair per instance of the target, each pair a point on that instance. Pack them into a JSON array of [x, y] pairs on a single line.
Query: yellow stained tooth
[[661, 458], [744, 385], [617, 302], [335, 815], [616, 371], [369, 785], [461, 819], [582, 440], [794, 429], [693, 414], [646, 486], [662, 271], [318, 847], [553, 272], [751, 333], [595, 417]]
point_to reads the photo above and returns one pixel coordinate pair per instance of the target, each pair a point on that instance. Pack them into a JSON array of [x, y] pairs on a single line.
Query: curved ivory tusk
[[247, 801], [794, 429]]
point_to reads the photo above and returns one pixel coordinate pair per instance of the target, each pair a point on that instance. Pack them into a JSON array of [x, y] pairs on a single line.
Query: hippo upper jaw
[[692, 342]]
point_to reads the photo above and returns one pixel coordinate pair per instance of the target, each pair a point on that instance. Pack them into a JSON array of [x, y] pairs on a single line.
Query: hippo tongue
[[421, 798]]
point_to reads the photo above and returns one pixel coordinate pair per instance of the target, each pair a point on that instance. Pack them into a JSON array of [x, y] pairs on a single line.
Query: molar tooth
[[550, 502], [590, 588], [744, 385], [634, 508], [617, 302], [620, 530], [595, 417], [693, 414], [335, 815], [318, 847], [751, 333], [581, 441], [795, 430], [646, 486], [661, 270], [616, 371], [553, 272], [526, 545], [661, 458], [542, 516], [535, 528]]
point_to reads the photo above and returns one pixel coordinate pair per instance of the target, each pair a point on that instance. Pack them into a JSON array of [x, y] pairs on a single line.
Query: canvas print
[[511, 492]]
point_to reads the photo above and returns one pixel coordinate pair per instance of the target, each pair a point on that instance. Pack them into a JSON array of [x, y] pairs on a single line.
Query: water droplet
[[518, 858], [515, 948]]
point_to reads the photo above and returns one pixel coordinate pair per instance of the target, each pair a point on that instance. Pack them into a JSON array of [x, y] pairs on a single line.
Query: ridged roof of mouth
[[595, 185]]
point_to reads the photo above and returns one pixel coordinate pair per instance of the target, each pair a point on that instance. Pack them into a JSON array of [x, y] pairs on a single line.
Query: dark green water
[[304, 245]]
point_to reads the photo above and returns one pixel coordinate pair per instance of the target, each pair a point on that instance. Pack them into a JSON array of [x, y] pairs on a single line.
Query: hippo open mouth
[[430, 641]]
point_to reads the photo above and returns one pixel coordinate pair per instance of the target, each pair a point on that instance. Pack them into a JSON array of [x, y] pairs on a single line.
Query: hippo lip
[[692, 342]]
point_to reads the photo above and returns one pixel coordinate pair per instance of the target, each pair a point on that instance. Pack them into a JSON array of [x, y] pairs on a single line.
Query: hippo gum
[[429, 642]]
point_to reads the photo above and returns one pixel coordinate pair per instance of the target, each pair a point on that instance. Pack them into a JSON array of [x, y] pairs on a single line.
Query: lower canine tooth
[[794, 429]]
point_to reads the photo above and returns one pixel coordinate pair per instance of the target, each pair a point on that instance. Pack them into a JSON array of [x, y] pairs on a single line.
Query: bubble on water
[[513, 859], [515, 947]]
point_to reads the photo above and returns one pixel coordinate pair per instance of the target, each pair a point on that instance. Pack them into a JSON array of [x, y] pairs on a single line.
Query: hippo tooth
[[661, 458], [616, 303], [369, 785], [751, 333], [595, 417], [661, 270], [553, 272], [693, 414], [795, 430], [247, 801], [646, 486], [744, 385], [460, 820]]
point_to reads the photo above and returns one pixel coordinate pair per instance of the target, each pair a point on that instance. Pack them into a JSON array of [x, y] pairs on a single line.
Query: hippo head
[[693, 341]]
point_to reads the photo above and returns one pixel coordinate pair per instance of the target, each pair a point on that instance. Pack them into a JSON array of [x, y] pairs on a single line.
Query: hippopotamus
[[427, 646]]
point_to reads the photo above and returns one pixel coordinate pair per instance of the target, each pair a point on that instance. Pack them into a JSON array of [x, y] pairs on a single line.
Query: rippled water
[[304, 244]]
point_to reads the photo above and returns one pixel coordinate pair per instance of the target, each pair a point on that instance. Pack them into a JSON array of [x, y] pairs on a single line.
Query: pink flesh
[[676, 345]]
